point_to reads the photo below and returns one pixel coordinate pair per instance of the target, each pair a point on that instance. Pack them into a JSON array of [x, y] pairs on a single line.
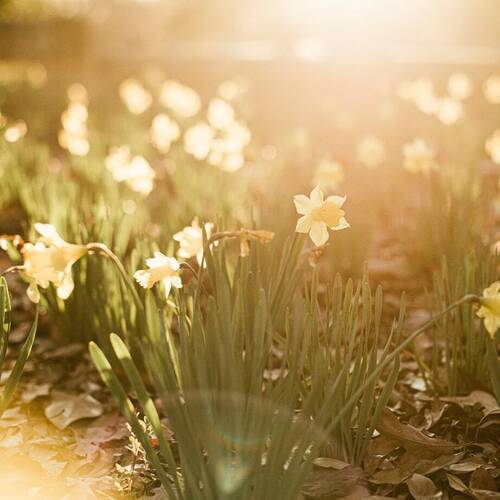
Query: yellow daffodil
[[135, 96], [191, 240], [328, 175], [492, 146], [490, 308], [50, 260], [164, 131], [133, 170], [182, 100], [419, 157], [370, 151], [161, 269], [491, 89], [319, 214]]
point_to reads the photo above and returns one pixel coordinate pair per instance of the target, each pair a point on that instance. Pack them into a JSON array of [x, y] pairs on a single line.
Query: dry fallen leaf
[[422, 488], [66, 408], [411, 438]]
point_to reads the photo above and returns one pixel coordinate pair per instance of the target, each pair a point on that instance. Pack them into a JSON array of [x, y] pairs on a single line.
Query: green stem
[[355, 397]]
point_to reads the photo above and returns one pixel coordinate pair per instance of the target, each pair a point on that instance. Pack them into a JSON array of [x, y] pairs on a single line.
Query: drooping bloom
[[50, 260], [419, 157], [370, 151], [135, 96], [319, 214], [328, 175], [191, 240], [133, 170], [161, 269], [490, 308], [492, 146]]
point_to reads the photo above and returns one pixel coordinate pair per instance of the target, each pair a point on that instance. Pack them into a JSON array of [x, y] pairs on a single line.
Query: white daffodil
[[133, 170], [460, 86], [135, 96], [490, 308], [491, 89], [191, 240], [50, 260], [492, 146], [164, 131], [328, 175], [370, 151], [198, 140], [182, 100], [319, 214], [419, 157], [161, 269], [220, 113]]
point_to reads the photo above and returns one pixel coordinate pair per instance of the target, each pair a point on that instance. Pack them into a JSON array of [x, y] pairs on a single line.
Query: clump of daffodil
[[318, 215], [190, 240], [49, 260], [419, 157], [161, 269], [328, 175], [490, 308]]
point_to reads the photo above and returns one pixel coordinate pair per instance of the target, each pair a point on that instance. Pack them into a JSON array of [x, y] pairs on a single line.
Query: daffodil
[[491, 89], [135, 96], [490, 308], [220, 113], [15, 131], [182, 100], [198, 140], [460, 86], [161, 269], [492, 146], [371, 151], [449, 110], [328, 175], [319, 214], [191, 240], [133, 170], [50, 260], [419, 157], [164, 131]]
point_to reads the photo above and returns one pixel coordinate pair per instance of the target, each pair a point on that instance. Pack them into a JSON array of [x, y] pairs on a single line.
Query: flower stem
[[354, 398]]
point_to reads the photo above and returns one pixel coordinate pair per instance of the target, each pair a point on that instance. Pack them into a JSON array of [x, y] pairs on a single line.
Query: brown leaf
[[411, 438], [66, 408], [486, 400], [422, 488]]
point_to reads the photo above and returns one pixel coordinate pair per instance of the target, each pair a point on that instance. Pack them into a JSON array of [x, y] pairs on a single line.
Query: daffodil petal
[[317, 196], [303, 224], [303, 204], [343, 224], [337, 200], [319, 233]]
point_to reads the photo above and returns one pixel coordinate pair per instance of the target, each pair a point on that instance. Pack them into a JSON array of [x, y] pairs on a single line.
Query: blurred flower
[[198, 140], [135, 96], [233, 89], [191, 240], [460, 86], [419, 157], [220, 113], [319, 214], [492, 146], [226, 150], [370, 151], [161, 268], [15, 131], [164, 131], [73, 135], [491, 89], [490, 308], [328, 175], [133, 170], [50, 260], [181, 99], [450, 110]]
